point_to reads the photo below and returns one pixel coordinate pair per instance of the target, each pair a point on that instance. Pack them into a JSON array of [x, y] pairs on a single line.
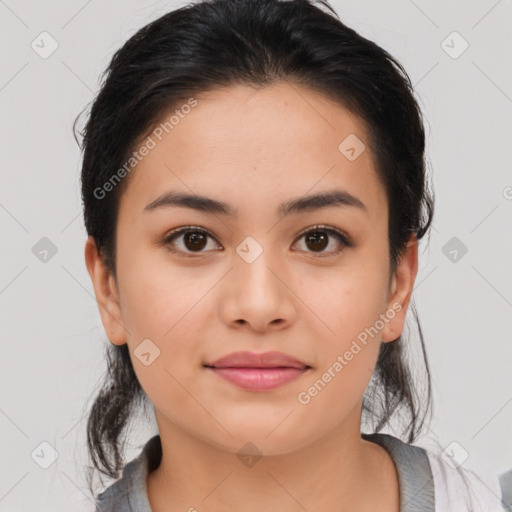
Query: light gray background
[[51, 333]]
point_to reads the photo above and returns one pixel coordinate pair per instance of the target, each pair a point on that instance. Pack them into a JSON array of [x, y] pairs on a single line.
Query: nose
[[258, 293]]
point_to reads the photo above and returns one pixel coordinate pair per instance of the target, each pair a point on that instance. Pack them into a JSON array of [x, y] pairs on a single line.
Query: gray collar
[[414, 473]]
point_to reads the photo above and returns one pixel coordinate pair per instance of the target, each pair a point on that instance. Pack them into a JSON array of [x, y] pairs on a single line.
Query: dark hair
[[217, 43]]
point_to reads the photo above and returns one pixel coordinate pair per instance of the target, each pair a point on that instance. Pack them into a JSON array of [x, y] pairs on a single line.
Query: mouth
[[258, 367], [258, 372]]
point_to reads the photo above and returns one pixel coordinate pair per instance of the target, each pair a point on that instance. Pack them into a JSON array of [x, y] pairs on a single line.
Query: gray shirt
[[129, 493], [506, 489]]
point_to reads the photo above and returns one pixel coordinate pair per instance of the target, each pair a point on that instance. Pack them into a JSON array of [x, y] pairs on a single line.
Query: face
[[194, 285]]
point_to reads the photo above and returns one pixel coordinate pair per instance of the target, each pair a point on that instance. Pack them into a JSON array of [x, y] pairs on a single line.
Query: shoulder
[[412, 465], [458, 486], [129, 493], [433, 475], [505, 480]]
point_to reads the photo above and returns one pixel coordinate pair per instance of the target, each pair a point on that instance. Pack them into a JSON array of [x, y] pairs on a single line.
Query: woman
[[254, 189]]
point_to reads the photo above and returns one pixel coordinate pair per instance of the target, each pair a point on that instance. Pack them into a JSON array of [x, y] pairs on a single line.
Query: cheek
[[335, 390], [162, 311], [158, 297], [170, 307], [350, 347], [346, 303], [348, 315]]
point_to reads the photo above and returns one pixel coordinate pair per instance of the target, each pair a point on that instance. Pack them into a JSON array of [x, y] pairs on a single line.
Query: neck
[[339, 472]]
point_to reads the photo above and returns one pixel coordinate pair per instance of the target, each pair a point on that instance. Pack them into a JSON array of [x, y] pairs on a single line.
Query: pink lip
[[259, 379], [257, 360], [258, 371]]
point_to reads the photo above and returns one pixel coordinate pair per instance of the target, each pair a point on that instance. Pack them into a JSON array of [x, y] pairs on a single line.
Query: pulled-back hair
[[211, 44]]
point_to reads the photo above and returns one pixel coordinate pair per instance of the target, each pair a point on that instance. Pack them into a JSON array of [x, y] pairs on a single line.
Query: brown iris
[[318, 239]]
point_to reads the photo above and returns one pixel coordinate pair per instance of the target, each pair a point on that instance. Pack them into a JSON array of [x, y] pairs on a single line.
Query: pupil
[[317, 238], [195, 239]]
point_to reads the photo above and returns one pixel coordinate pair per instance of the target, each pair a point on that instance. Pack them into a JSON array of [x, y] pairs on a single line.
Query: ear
[[402, 284], [107, 295]]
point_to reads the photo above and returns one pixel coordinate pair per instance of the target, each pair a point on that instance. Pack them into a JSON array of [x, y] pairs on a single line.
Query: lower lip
[[259, 379]]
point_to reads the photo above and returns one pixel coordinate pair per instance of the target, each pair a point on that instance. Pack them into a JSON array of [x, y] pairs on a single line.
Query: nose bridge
[[255, 293], [255, 296], [257, 261]]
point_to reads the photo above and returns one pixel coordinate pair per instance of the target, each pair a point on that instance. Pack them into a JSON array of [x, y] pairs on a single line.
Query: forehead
[[243, 145]]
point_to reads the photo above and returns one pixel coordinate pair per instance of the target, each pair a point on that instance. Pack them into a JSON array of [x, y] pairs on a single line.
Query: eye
[[194, 239], [318, 239]]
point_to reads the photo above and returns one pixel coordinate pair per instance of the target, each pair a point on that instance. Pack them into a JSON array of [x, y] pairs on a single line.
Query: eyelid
[[325, 227], [183, 229], [188, 228]]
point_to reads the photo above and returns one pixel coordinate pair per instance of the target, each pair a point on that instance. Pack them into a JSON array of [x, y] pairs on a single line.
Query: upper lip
[[257, 360]]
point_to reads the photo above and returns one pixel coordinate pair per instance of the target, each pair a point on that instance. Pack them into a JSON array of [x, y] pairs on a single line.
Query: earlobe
[[401, 291], [106, 292]]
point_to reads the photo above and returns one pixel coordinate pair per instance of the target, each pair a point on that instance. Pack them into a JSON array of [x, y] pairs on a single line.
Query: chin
[[262, 440]]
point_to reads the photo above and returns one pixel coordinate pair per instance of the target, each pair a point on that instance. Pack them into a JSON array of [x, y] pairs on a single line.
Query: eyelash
[[342, 238]]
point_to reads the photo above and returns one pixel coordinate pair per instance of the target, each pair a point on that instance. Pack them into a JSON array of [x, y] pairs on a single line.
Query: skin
[[255, 149]]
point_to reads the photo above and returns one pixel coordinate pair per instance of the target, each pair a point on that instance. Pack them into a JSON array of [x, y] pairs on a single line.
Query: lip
[[258, 379], [258, 371], [247, 359]]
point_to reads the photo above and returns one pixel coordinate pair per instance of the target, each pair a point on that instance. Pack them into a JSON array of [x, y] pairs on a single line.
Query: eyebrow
[[295, 205]]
